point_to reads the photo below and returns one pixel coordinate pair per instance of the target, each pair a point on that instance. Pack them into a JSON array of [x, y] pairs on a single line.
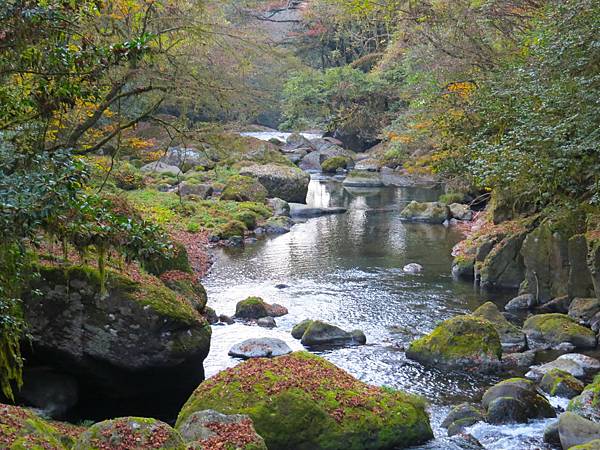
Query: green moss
[[462, 337], [557, 327], [452, 197], [159, 264], [335, 163], [301, 401], [231, 229], [556, 381], [243, 189]]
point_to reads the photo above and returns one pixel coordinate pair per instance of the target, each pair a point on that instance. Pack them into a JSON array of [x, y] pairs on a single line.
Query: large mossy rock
[[208, 430], [178, 260], [285, 182], [244, 189], [21, 429], [303, 402], [131, 433], [429, 212], [255, 307], [460, 342], [461, 417], [550, 330], [318, 333], [515, 400], [587, 404], [511, 337], [559, 383], [110, 341], [575, 430]]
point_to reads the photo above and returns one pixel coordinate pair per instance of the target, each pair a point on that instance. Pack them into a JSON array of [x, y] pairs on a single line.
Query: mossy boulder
[[284, 182], [207, 430], [254, 308], [515, 400], [461, 417], [320, 333], [300, 328], [21, 428], [460, 342], [428, 212], [561, 384], [278, 225], [177, 259], [303, 402], [244, 189], [232, 228], [130, 433], [363, 178], [550, 330], [591, 445], [110, 340], [188, 287], [511, 337], [587, 404], [331, 165], [577, 432]]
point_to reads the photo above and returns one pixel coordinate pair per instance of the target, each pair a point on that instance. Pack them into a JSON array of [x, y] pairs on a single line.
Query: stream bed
[[347, 270]]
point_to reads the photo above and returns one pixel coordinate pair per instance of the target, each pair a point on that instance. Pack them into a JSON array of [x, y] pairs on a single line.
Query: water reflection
[[347, 269]]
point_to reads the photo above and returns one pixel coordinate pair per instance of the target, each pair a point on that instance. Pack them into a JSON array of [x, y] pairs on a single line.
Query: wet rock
[[130, 432], [294, 416], [583, 310], [296, 140], [321, 333], [536, 373], [511, 337], [460, 342], [429, 212], [559, 383], [576, 430], [226, 319], [211, 429], [259, 348], [278, 225], [522, 302], [412, 268], [518, 362], [276, 310], [266, 322], [280, 207], [300, 328], [281, 286], [515, 400], [211, 315], [363, 178], [368, 165], [587, 404], [286, 182], [461, 417], [549, 330], [244, 189], [311, 162], [551, 435], [589, 365], [557, 305], [460, 212], [303, 211], [503, 266], [463, 268], [256, 307]]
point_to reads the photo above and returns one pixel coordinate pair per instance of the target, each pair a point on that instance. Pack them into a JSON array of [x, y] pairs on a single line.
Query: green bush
[[451, 197]]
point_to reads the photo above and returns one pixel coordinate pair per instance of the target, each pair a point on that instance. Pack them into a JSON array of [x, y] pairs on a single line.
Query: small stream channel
[[347, 270]]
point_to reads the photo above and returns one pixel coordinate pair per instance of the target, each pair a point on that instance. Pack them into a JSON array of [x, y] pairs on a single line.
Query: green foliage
[[337, 162], [451, 197]]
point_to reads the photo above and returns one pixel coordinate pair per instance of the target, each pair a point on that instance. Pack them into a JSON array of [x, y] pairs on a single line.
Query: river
[[347, 270]]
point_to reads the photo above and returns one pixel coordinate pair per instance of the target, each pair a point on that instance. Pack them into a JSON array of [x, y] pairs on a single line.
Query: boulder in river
[[583, 310], [296, 140], [412, 268], [244, 189], [130, 433], [332, 165], [551, 330], [310, 162], [302, 211], [575, 430], [255, 307], [300, 328], [511, 337], [288, 183], [280, 207], [278, 225], [459, 211], [109, 341], [559, 383], [210, 429], [260, 348], [587, 404], [289, 400], [266, 322], [428, 212], [521, 302], [321, 333], [363, 178], [461, 417], [515, 401], [575, 364], [460, 342]]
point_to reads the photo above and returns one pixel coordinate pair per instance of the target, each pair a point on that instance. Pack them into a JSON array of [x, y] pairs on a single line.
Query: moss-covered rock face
[[231, 229], [548, 330], [188, 287], [21, 428], [331, 165], [561, 384], [136, 330], [207, 430], [130, 433], [303, 402], [587, 404], [511, 337], [460, 342], [159, 264], [244, 189], [429, 212]]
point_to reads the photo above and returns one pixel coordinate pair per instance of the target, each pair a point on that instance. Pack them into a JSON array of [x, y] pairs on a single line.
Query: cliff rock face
[[135, 340]]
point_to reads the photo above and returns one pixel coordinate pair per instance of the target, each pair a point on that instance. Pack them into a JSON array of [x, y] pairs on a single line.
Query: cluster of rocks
[[436, 212]]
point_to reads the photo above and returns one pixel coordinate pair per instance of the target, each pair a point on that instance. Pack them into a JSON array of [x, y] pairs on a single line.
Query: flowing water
[[347, 270]]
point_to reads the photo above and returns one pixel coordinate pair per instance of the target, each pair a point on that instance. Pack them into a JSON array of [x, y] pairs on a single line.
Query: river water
[[347, 270]]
